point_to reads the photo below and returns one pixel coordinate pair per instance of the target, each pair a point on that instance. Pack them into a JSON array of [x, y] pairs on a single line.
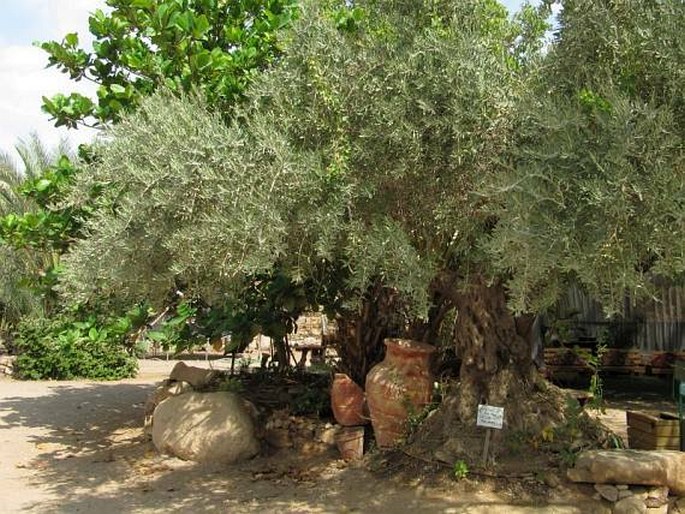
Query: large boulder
[[165, 390], [205, 427], [640, 467]]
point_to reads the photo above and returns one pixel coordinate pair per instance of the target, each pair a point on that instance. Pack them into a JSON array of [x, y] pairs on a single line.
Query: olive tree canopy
[[368, 144]]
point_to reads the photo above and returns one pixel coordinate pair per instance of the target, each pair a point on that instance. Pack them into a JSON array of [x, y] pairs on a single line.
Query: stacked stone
[[305, 435], [635, 481], [7, 365], [628, 499]]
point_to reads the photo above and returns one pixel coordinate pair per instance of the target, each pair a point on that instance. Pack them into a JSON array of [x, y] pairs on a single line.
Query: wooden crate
[[647, 432]]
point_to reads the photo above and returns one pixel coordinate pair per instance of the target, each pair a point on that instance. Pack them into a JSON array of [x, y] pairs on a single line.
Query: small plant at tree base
[[460, 470], [568, 457], [231, 385], [312, 401], [416, 418], [594, 360]]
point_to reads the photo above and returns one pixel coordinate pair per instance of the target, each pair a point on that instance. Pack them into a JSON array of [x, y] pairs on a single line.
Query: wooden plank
[[659, 371], [645, 441], [626, 370], [665, 418], [679, 371], [657, 431]]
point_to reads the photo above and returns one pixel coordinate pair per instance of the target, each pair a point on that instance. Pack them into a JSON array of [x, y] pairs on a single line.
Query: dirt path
[[68, 447]]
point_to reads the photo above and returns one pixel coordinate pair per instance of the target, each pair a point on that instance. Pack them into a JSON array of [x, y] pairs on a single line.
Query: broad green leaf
[[71, 39]]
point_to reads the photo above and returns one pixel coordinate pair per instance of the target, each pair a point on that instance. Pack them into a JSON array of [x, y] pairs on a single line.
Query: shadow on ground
[[81, 445]]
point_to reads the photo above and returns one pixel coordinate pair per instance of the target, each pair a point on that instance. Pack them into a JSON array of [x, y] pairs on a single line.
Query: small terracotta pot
[[348, 401], [350, 442]]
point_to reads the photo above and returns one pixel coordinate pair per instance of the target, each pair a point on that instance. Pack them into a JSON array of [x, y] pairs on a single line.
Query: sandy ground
[[68, 447]]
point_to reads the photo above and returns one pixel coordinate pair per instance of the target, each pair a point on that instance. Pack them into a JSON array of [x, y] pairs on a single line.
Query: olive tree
[[363, 151], [425, 158]]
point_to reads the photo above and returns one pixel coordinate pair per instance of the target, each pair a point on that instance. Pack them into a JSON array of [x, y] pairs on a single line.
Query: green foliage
[[348, 18], [400, 144], [231, 385], [26, 265], [175, 331], [45, 229], [49, 226], [268, 304], [595, 191], [460, 470], [60, 348], [34, 159], [209, 45], [641, 55], [594, 360], [415, 418], [351, 166], [313, 401]]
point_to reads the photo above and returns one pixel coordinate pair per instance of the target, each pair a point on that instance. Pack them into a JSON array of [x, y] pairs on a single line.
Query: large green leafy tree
[[433, 151], [214, 46], [34, 158], [360, 152]]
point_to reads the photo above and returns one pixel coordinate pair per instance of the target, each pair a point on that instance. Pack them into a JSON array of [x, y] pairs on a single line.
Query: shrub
[[61, 348]]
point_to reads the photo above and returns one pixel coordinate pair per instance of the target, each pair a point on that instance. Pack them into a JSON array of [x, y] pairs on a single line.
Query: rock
[[622, 487], [278, 438], [631, 505], [625, 493], [645, 467], [608, 492], [551, 480], [679, 504], [663, 509], [327, 435], [163, 391], [311, 449], [205, 427], [196, 377], [7, 364], [656, 497], [639, 490], [445, 455]]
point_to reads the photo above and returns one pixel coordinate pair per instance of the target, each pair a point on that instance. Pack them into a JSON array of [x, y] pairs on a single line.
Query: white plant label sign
[[490, 417]]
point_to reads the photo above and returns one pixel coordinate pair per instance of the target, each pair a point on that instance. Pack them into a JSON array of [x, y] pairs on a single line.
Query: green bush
[[61, 348]]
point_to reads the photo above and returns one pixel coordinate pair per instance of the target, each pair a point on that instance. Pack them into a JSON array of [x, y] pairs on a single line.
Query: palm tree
[[34, 158], [15, 265]]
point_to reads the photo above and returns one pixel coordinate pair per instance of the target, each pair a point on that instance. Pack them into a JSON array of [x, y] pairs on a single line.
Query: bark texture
[[494, 347], [359, 341]]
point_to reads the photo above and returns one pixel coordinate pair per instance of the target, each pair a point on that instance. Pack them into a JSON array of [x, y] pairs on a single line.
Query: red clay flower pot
[[347, 401]]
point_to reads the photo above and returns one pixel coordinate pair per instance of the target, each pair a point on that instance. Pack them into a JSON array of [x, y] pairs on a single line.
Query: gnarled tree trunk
[[497, 369], [495, 347], [359, 341]]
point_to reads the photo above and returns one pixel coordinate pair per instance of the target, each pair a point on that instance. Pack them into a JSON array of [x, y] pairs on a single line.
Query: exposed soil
[[70, 447]]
